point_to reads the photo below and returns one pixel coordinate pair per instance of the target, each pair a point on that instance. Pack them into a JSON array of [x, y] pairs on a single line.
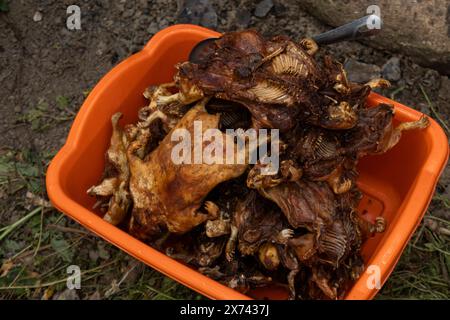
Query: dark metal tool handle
[[356, 29]]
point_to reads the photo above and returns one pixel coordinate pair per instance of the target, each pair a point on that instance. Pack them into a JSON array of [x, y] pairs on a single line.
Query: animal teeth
[[334, 244], [286, 64], [269, 93], [326, 150]]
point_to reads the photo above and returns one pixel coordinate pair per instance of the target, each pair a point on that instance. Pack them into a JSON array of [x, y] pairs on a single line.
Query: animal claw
[[212, 209]]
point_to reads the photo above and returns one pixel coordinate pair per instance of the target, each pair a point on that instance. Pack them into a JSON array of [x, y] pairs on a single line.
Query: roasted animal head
[[305, 204], [375, 132], [203, 252], [278, 80], [254, 222], [233, 221]]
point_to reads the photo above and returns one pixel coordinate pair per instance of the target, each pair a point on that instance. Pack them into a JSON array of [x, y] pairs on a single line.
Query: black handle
[[351, 31]]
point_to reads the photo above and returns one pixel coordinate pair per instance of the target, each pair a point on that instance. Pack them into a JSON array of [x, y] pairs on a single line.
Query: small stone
[[143, 4], [243, 18], [430, 79], [93, 255], [423, 107], [109, 23], [68, 294], [391, 69], [263, 8], [128, 13], [101, 48], [103, 252], [153, 28], [209, 19], [105, 4], [37, 16], [361, 72], [279, 9], [199, 12], [38, 142], [444, 90], [163, 24]]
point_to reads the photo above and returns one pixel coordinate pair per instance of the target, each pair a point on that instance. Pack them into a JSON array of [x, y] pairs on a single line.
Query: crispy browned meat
[[117, 175], [322, 158], [200, 251], [168, 195], [305, 204], [375, 132]]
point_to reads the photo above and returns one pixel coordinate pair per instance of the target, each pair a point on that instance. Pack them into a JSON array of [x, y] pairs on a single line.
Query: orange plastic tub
[[397, 185]]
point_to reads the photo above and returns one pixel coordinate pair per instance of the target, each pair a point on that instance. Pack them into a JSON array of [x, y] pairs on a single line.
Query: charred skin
[[278, 80], [240, 281], [290, 262], [337, 241], [254, 223], [375, 132], [201, 250], [115, 185], [322, 158], [305, 204]]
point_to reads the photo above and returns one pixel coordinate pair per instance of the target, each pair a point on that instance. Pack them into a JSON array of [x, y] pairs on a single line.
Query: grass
[[39, 117], [8, 229], [38, 243], [423, 270], [433, 110]]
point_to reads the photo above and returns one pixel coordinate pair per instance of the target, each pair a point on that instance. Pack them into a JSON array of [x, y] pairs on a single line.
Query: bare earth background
[[46, 72]]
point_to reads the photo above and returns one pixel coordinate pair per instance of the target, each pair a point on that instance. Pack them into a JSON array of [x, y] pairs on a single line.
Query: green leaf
[[5, 166], [35, 186], [12, 246], [62, 248], [86, 92], [63, 102], [42, 105], [28, 170]]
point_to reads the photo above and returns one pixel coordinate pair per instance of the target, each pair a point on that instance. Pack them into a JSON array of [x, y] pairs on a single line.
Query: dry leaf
[[6, 267]]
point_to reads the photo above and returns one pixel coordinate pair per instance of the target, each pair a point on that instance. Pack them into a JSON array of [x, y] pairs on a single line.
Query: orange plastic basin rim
[[398, 185]]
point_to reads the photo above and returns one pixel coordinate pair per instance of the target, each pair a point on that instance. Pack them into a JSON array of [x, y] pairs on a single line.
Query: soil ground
[[46, 71]]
